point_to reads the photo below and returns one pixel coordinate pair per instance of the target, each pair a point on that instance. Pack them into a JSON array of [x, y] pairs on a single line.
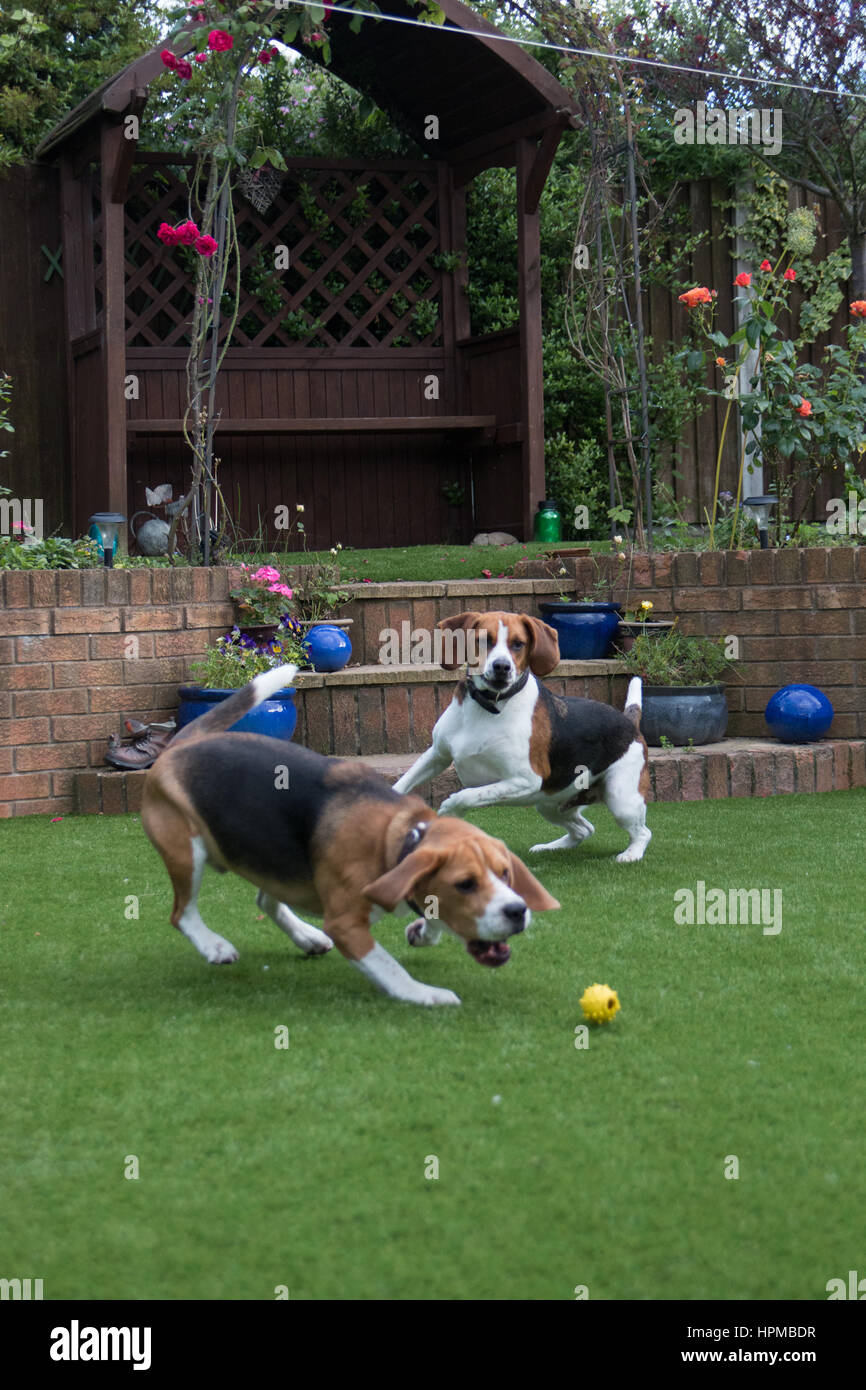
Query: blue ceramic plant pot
[[329, 647], [585, 630], [275, 717], [799, 714]]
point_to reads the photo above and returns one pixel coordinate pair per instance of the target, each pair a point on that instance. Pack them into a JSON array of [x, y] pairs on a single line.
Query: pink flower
[[187, 233], [184, 70], [167, 234], [765, 265], [168, 58], [205, 246], [317, 35], [790, 274], [280, 589], [218, 41], [201, 57], [266, 574], [487, 574], [743, 280]]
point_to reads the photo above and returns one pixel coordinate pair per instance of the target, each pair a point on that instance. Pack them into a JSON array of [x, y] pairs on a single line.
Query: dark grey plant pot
[[682, 713]]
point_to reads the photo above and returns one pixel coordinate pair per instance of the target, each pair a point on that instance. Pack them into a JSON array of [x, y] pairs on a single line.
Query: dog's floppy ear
[[394, 887], [543, 646], [462, 621], [533, 893]]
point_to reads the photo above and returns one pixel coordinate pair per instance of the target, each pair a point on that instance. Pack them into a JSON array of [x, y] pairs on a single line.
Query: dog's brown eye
[[467, 885], [517, 646]]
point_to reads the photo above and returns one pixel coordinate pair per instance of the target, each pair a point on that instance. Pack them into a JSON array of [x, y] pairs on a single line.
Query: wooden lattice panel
[[362, 247]]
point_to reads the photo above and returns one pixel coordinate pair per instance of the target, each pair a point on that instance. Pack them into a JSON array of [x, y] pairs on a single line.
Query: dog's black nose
[[516, 913], [501, 669]]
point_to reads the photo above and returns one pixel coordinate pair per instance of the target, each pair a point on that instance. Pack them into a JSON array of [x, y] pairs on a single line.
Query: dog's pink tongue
[[489, 952]]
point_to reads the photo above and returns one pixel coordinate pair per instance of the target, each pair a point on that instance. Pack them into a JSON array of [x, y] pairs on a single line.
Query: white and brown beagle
[[328, 837], [513, 743]]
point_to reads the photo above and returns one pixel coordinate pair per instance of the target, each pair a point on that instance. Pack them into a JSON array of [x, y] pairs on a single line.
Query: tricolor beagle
[[513, 743], [328, 837]]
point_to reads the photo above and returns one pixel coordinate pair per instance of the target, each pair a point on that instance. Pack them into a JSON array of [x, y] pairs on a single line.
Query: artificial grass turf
[[305, 1167]]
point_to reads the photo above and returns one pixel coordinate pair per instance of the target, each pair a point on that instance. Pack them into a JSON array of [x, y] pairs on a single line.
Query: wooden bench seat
[[374, 424]]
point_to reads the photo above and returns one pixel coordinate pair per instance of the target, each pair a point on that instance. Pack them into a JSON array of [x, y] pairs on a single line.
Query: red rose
[[184, 70], [765, 265], [805, 408], [218, 41], [264, 56], [167, 234], [205, 246], [275, 53], [790, 274], [187, 233], [743, 280], [168, 58], [201, 57]]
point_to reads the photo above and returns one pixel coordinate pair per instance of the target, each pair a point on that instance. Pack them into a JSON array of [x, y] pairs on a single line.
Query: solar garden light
[[104, 527], [761, 507]]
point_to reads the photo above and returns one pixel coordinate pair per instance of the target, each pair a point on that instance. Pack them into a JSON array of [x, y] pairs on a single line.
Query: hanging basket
[[260, 186]]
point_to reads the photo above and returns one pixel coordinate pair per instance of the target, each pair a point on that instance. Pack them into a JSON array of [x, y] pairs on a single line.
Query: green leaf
[[720, 339], [317, 13], [289, 30], [694, 360], [258, 159], [753, 332]]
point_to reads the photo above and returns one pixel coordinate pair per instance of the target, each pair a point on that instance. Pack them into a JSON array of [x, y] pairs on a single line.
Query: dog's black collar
[[493, 703], [411, 842]]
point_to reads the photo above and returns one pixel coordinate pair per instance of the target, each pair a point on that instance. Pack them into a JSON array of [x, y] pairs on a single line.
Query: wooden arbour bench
[[484, 425]]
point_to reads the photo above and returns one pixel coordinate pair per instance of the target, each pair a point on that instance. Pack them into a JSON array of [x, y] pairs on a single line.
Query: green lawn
[[422, 563], [557, 1167]]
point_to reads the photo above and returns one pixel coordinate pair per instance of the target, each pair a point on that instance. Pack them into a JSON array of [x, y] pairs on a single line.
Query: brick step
[[735, 767], [372, 709]]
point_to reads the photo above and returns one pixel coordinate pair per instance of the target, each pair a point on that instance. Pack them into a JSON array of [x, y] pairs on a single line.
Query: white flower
[[617, 540], [299, 506]]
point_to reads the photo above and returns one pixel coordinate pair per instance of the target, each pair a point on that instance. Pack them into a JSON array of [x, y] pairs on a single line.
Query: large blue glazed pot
[[275, 717], [684, 714], [329, 647], [585, 630], [799, 714]]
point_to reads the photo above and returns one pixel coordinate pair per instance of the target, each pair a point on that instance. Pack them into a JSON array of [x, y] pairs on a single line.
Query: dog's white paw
[[453, 806], [423, 932], [220, 952], [430, 996]]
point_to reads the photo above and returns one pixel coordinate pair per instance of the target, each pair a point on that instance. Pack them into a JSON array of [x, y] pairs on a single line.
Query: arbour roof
[[483, 91]]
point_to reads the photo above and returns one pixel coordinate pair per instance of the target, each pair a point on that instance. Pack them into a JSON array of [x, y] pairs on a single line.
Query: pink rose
[[187, 233], [205, 246], [168, 58], [218, 41], [184, 70], [201, 57], [167, 234]]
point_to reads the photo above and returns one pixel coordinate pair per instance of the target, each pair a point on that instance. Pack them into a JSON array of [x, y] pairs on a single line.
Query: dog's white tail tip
[[635, 693]]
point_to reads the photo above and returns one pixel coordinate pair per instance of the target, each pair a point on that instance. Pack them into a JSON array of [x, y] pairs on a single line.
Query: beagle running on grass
[[328, 837], [513, 743]]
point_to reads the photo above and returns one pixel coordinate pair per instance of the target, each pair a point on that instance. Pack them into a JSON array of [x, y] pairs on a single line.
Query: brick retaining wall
[[70, 669]]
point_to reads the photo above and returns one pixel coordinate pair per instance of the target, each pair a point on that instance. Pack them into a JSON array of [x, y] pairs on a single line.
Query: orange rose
[[858, 308], [805, 408], [720, 362], [692, 298]]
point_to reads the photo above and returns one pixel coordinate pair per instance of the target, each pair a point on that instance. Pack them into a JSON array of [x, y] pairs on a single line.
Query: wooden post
[[114, 328], [531, 369]]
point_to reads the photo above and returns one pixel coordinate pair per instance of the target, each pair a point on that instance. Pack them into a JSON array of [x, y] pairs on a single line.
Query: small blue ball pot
[[329, 647], [275, 717], [585, 630], [799, 714]]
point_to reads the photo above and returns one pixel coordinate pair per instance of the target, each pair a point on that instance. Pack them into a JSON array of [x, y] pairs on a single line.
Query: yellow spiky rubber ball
[[599, 1003]]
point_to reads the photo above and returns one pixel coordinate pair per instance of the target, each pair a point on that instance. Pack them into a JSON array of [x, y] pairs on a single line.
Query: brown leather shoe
[[141, 754]]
